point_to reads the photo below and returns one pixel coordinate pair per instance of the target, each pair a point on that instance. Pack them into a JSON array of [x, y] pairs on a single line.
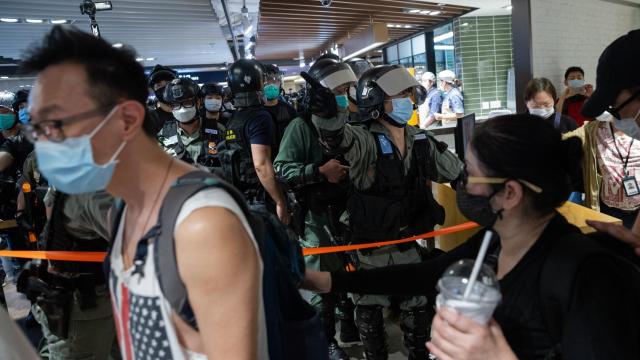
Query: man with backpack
[[106, 142], [320, 185], [251, 144]]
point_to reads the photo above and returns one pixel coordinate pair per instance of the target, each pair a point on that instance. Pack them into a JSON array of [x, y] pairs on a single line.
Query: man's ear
[[133, 115]]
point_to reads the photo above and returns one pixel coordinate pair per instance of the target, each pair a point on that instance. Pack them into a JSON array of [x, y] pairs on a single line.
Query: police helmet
[[359, 66], [211, 88], [20, 97], [383, 80], [245, 75], [181, 89], [160, 73], [332, 73]]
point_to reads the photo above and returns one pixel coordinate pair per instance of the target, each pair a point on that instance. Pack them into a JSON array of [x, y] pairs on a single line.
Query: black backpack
[[561, 268], [294, 330]]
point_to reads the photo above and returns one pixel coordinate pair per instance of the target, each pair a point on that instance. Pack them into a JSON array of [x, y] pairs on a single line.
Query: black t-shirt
[[600, 324], [260, 129], [158, 118], [19, 148], [282, 113], [564, 123]]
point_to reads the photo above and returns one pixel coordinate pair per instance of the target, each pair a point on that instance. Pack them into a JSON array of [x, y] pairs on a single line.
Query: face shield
[[399, 80]]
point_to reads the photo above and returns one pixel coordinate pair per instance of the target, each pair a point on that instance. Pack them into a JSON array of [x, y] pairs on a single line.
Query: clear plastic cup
[[485, 294]]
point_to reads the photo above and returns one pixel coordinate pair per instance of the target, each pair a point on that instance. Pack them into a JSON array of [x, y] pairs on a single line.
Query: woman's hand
[[457, 337], [317, 281]]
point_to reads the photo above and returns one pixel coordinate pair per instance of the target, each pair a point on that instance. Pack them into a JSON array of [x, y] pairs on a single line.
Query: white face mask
[[184, 114], [543, 113], [212, 105], [629, 126]]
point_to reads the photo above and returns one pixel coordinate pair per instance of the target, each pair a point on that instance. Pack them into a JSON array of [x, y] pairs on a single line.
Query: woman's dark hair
[[523, 147], [112, 74], [573, 69], [539, 84]]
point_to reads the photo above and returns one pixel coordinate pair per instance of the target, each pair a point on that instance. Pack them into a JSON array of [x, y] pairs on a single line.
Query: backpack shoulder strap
[[115, 217], [164, 255]]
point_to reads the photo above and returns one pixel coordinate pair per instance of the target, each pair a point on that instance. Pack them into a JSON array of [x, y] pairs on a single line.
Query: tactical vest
[[281, 117], [211, 136], [235, 155], [57, 238], [398, 204]]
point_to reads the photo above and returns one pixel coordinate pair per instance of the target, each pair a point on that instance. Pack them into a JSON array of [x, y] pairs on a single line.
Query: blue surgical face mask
[[69, 165], [402, 110], [576, 83], [629, 126], [342, 101], [7, 121], [23, 115]]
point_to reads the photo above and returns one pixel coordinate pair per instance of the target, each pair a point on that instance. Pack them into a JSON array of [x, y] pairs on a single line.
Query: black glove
[[322, 102]]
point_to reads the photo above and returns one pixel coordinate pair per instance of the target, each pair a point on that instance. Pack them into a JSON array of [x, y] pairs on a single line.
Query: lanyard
[[625, 161]]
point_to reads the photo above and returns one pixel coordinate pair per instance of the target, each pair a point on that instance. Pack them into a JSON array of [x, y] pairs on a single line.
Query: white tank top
[[143, 314]]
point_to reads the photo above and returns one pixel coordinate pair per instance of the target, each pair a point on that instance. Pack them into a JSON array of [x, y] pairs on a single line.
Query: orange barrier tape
[[443, 231], [83, 256], [86, 256]]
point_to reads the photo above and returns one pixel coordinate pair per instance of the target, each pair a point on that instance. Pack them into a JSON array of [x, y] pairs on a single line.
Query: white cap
[[447, 75], [428, 76]]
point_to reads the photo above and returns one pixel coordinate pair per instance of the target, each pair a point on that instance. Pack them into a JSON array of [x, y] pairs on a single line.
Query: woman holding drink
[[517, 173]]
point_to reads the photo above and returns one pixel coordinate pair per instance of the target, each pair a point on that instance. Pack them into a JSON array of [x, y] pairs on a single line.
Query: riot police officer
[[281, 111], [391, 169], [359, 66], [248, 151], [320, 184], [20, 105], [157, 81], [214, 131], [191, 137]]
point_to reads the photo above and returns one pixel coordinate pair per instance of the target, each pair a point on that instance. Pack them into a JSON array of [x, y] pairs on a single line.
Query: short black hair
[[573, 69], [539, 84], [523, 147], [113, 74]]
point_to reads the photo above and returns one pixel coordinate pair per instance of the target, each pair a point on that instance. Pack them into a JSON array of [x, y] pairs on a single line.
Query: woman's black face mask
[[476, 208]]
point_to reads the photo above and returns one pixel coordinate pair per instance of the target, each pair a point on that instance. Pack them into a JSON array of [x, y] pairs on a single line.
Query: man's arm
[[291, 161], [264, 168], [447, 164], [222, 277], [6, 160]]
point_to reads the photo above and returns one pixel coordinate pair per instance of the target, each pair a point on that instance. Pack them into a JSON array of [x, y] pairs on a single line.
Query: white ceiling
[[174, 32], [485, 7]]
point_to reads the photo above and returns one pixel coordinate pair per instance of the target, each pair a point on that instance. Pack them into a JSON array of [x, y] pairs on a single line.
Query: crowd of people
[[202, 196]]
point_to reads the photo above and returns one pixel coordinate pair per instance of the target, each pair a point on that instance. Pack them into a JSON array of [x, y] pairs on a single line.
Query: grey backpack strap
[[164, 253]]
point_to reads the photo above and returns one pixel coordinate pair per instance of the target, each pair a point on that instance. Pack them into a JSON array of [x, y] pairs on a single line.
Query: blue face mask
[[402, 110], [7, 121], [342, 101], [69, 165], [23, 115], [271, 92]]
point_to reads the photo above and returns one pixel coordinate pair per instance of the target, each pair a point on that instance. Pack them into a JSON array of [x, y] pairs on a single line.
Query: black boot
[[327, 310], [336, 352], [371, 327], [414, 325], [344, 312]]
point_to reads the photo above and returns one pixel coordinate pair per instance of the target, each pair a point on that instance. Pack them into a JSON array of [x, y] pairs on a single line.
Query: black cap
[[21, 96], [160, 73], [618, 69]]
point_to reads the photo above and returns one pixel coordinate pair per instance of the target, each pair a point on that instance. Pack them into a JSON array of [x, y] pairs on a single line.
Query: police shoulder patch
[[385, 144], [420, 136]]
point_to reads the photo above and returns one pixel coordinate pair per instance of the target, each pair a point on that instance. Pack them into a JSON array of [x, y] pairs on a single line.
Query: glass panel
[[420, 63], [419, 44], [404, 49], [406, 62], [392, 53], [443, 48]]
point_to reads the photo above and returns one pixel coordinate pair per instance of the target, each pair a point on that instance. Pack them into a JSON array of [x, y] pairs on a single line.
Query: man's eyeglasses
[[52, 129], [466, 179], [615, 110], [185, 104]]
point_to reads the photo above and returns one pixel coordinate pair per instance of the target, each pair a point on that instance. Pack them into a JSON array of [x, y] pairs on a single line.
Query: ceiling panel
[[174, 32], [290, 27]]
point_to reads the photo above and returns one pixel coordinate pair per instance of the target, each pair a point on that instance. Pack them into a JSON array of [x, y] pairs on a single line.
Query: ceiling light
[[4, 77], [414, 11], [508, 7], [56, 22], [117, 45], [9, 20], [425, 12], [139, 59], [443, 37], [434, 13], [34, 21], [150, 58], [443, 47], [388, 25], [363, 50], [302, 64], [103, 5], [407, 26]]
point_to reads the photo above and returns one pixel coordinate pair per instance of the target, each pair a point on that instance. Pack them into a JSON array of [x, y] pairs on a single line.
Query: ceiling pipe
[[233, 36]]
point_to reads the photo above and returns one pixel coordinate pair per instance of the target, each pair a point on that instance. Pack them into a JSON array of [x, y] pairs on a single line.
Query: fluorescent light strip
[[443, 37], [414, 11], [435, 13], [363, 50], [443, 47], [34, 21], [9, 20], [56, 22], [117, 45]]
